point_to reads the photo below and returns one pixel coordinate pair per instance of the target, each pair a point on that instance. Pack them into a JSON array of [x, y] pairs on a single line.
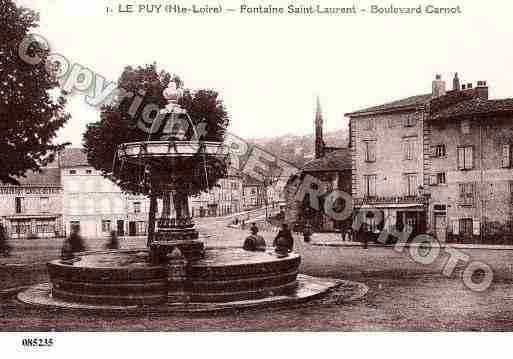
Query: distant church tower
[[319, 140]]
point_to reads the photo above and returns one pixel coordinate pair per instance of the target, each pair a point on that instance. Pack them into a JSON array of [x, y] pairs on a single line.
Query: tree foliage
[[118, 124], [31, 106]]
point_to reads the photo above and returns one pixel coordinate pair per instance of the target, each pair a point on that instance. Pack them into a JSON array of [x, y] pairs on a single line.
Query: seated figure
[[254, 242], [284, 242]]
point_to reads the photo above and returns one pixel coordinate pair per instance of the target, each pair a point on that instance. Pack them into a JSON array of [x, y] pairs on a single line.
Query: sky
[[269, 69]]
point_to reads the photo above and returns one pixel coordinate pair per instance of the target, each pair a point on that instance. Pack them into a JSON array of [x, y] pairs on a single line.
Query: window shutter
[[506, 155], [462, 193], [456, 227], [461, 158], [432, 151], [469, 158], [432, 180], [405, 185], [476, 227], [372, 186]]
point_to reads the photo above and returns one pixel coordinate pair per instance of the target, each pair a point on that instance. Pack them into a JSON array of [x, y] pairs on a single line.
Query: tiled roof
[[73, 157], [412, 101], [475, 107], [338, 160], [48, 177]]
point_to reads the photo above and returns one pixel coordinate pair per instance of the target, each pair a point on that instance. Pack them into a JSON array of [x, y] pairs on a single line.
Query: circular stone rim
[[144, 150], [40, 296]]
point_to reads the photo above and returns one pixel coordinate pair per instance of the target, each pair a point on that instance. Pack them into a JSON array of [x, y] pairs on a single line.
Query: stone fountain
[[176, 270]]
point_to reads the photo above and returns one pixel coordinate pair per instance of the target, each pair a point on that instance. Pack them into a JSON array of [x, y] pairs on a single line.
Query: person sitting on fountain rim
[[284, 242], [254, 242], [72, 244]]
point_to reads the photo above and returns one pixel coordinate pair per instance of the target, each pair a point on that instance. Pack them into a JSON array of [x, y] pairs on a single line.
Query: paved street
[[403, 295]]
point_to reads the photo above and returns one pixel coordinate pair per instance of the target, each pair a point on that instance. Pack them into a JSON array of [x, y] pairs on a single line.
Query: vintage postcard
[[246, 166]]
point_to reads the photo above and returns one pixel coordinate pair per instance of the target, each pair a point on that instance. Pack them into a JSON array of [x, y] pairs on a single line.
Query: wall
[[493, 192], [390, 166]]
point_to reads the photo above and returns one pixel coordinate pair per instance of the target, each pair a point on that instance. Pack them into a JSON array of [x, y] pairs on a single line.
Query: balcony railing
[[391, 200]]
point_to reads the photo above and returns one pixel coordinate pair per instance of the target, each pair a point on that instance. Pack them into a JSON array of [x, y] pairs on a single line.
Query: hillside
[[299, 149]]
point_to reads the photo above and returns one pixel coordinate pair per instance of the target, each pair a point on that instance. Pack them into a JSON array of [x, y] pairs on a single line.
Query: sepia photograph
[[300, 167]]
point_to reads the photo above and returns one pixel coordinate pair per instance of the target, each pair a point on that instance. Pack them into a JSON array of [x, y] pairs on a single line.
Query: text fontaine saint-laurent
[[295, 9]]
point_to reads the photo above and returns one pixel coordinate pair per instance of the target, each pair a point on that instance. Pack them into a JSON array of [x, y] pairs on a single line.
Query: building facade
[[331, 169], [434, 162], [34, 208], [95, 204], [223, 199]]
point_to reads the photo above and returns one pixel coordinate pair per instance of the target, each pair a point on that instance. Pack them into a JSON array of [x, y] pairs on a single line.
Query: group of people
[[283, 242], [75, 244]]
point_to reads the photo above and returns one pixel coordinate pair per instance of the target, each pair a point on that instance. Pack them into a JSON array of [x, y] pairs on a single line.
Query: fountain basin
[[148, 152], [126, 278]]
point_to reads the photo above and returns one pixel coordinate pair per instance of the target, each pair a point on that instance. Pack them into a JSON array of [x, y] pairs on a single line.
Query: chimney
[[456, 83], [482, 90], [438, 87]]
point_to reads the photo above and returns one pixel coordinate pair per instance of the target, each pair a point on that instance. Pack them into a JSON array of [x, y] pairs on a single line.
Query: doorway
[[441, 228], [132, 229], [121, 228]]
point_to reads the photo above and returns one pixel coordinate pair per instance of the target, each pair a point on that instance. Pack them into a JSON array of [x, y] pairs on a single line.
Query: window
[[105, 226], [466, 226], [409, 144], [467, 195], [410, 120], [441, 178], [465, 158], [511, 192], [370, 151], [465, 127], [137, 207], [141, 227], [74, 225], [369, 185], [439, 151], [44, 203], [72, 172], [411, 185], [21, 226], [19, 204], [368, 124], [89, 172], [45, 226], [506, 155], [437, 178]]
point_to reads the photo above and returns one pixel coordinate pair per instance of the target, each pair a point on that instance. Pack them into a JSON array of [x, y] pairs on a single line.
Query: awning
[[419, 206], [32, 216]]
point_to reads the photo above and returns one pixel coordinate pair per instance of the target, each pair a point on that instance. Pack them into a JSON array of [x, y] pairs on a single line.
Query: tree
[[29, 114], [119, 123]]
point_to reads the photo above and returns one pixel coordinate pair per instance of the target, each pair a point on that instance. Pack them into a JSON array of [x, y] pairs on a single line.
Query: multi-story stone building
[[94, 203], [225, 198], [34, 208], [439, 162]]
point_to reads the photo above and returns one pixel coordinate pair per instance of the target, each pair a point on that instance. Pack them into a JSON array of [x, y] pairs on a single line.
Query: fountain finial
[[172, 93]]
